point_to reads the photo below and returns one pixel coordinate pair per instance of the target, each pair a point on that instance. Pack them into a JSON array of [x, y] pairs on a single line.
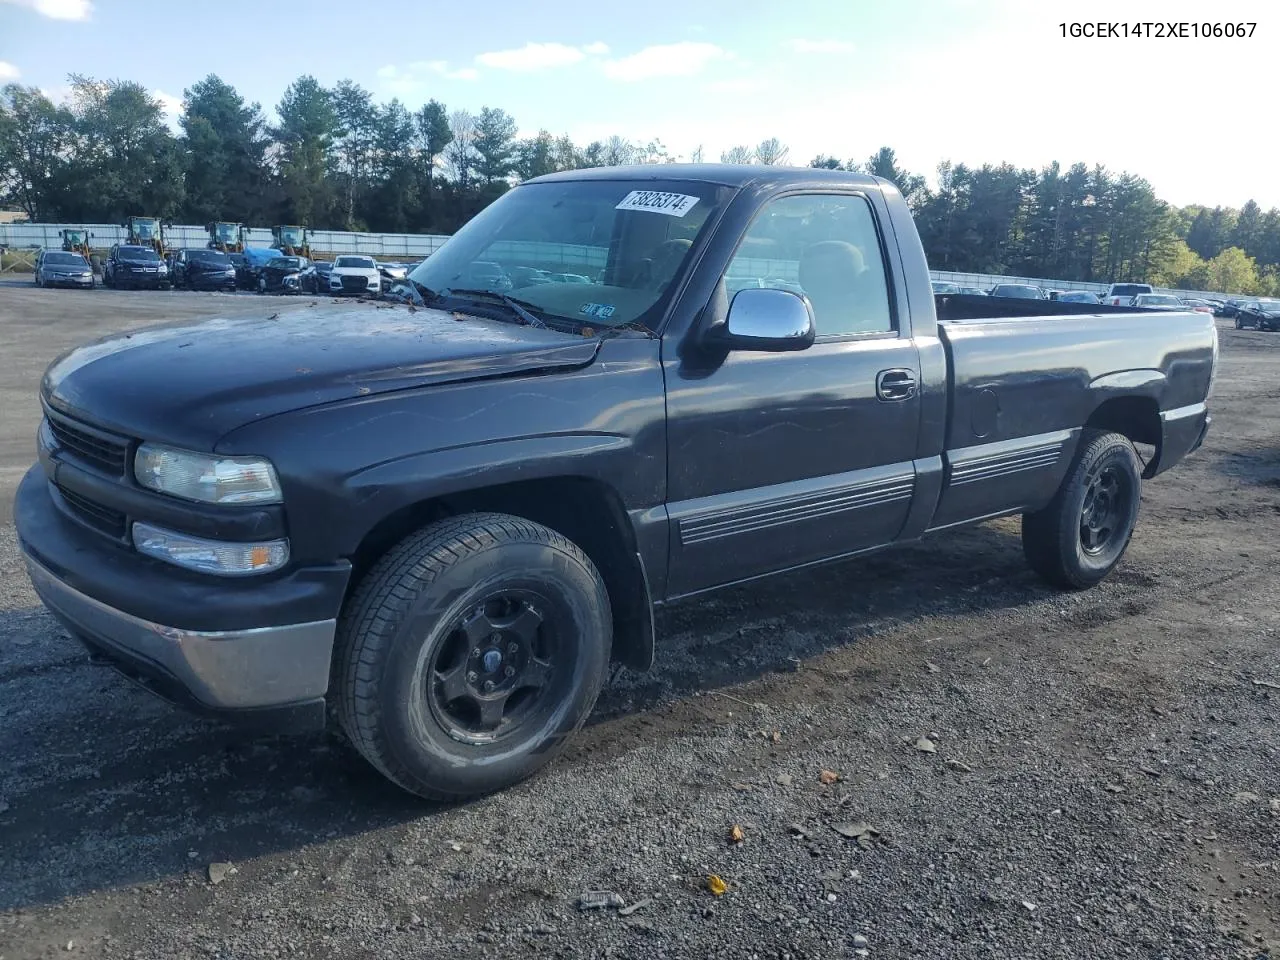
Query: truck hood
[[189, 384]]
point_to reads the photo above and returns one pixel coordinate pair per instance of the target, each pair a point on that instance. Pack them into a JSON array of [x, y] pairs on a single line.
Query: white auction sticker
[[672, 204]]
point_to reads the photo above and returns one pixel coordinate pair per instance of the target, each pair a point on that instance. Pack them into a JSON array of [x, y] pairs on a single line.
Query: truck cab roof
[[721, 174]]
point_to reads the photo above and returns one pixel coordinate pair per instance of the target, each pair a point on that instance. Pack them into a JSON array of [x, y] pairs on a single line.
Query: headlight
[[206, 477], [163, 269], [218, 557]]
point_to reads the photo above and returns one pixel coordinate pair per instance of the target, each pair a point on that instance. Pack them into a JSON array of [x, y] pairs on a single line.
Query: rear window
[[360, 263], [1157, 300], [1129, 289], [1017, 290]]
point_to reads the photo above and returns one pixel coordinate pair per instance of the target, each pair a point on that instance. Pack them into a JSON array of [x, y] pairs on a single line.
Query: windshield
[[363, 263], [210, 256], [291, 235], [1158, 300], [597, 252], [139, 253], [75, 236], [285, 263], [941, 287], [1017, 290], [146, 229], [226, 232], [66, 259]]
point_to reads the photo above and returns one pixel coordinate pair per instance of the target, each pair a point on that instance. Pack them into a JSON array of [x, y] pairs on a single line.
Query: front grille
[[352, 284], [94, 448], [100, 517]]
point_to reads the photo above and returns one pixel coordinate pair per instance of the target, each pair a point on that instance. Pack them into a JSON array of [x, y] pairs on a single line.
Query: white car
[[1122, 294], [352, 274]]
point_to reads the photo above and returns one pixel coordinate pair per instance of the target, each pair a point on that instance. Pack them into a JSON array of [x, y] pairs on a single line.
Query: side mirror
[[772, 321]]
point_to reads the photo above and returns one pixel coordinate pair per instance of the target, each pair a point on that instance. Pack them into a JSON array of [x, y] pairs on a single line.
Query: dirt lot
[[1106, 781]]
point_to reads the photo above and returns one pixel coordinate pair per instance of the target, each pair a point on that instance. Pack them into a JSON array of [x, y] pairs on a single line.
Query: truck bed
[[1025, 377]]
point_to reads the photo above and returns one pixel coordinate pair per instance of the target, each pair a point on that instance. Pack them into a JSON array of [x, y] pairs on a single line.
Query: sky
[[972, 81]]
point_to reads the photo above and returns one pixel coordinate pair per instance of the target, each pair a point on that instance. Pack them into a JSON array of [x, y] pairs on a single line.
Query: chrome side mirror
[[768, 320]]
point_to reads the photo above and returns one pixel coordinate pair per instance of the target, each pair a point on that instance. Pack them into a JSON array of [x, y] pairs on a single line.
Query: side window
[[824, 246]]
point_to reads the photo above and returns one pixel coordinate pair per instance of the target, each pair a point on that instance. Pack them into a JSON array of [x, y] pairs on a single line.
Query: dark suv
[[199, 268], [136, 267]]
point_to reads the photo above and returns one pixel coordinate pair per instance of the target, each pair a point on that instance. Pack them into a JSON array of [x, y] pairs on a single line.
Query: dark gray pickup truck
[[613, 389]]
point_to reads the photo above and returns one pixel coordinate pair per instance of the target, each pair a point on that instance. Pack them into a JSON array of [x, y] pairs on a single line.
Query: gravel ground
[[1098, 776]]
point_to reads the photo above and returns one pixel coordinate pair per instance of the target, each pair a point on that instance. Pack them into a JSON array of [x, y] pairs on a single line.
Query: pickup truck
[[448, 520]]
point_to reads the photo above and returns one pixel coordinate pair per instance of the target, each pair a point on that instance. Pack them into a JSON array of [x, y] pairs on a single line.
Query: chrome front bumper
[[220, 670]]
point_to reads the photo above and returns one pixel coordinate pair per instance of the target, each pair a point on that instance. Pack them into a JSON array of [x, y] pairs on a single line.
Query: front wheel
[[1081, 535], [470, 653]]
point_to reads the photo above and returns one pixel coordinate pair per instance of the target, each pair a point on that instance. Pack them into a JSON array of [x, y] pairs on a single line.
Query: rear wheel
[[470, 653], [1081, 535]]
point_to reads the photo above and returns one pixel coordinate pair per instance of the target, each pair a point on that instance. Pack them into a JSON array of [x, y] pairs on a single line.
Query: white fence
[[19, 236], [412, 246]]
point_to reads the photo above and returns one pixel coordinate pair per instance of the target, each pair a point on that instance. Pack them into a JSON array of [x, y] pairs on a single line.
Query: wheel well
[[1137, 418], [586, 511]]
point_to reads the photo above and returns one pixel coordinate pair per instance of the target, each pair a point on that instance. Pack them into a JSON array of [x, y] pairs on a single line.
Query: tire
[[1239, 325], [262, 285], [1069, 543], [472, 602]]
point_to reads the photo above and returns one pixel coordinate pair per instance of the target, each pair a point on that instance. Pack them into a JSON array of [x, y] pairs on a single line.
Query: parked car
[[1122, 294], [973, 291], [199, 268], [355, 275], [1078, 296], [57, 268], [1199, 306], [238, 264], [568, 278], [249, 271], [489, 274], [942, 287], [282, 275], [452, 529], [1158, 301], [1021, 291], [315, 278], [1262, 314], [391, 272], [1230, 308], [135, 267]]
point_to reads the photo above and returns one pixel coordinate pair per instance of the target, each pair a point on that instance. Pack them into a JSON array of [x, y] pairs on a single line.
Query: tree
[[884, 163], [536, 156], [1247, 234], [460, 151], [772, 152], [1232, 271], [495, 145], [826, 162], [124, 159], [305, 135], [738, 155], [616, 152], [35, 136], [353, 136], [224, 148]]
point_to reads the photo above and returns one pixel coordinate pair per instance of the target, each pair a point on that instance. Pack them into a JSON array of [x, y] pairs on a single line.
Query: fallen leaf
[[736, 835], [220, 871], [273, 316], [959, 765], [776, 737], [588, 332], [1266, 683], [1246, 796], [782, 780], [857, 831], [741, 787], [716, 885], [1114, 788], [828, 777], [933, 667], [925, 745], [1028, 904], [1149, 771]]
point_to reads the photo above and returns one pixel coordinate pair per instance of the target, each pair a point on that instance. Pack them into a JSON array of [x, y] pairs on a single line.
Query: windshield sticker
[[601, 311], [672, 204]]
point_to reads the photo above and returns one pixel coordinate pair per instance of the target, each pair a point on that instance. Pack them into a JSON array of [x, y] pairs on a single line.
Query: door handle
[[897, 384]]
